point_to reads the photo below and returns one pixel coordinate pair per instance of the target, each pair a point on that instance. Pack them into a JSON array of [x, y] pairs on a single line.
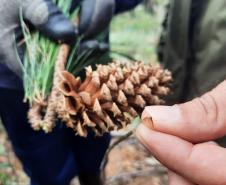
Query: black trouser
[[48, 159]]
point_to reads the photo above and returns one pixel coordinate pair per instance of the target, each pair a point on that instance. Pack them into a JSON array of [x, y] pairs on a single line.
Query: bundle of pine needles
[[40, 59]]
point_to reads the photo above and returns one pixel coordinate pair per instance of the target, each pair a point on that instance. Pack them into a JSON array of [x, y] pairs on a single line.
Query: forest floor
[[129, 164], [134, 34]]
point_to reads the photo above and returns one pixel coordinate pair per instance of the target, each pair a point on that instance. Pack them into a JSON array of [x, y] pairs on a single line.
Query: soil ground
[[129, 164]]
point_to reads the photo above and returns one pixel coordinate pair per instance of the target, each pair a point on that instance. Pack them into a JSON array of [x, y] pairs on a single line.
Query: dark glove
[[100, 47], [95, 17], [42, 14], [47, 18], [126, 5]]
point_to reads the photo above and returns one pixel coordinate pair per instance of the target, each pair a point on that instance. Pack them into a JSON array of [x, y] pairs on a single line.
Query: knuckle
[[210, 107]]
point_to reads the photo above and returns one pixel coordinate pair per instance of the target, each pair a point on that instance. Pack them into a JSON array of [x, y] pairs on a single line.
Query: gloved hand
[[48, 19], [126, 5], [42, 14], [95, 17], [94, 45]]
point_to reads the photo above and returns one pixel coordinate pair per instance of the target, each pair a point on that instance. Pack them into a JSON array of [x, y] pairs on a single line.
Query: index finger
[[199, 120]]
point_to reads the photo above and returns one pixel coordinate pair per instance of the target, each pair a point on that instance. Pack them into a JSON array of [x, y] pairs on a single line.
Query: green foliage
[[39, 60], [4, 179], [77, 60], [39, 66], [136, 34]]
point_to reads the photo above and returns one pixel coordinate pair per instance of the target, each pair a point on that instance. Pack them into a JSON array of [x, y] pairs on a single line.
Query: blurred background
[[136, 33], [133, 35]]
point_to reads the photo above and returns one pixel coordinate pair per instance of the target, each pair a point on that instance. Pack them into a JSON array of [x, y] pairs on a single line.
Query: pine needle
[[40, 57]]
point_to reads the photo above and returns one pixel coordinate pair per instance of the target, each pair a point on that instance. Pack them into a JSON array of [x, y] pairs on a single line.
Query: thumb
[[201, 164], [201, 119], [175, 179]]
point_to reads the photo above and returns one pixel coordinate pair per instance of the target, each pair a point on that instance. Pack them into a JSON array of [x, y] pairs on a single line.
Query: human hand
[[178, 136], [44, 15]]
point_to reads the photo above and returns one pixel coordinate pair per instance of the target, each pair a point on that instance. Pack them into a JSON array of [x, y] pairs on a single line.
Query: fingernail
[[148, 122], [163, 114]]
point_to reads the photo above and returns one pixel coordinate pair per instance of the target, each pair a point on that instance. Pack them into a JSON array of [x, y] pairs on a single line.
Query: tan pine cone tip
[[110, 97]]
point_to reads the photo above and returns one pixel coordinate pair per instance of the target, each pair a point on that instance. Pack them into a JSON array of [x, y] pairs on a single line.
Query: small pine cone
[[34, 116], [49, 120], [45, 120], [112, 96]]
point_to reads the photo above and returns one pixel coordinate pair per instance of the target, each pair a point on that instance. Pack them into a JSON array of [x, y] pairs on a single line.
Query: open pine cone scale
[[111, 96]]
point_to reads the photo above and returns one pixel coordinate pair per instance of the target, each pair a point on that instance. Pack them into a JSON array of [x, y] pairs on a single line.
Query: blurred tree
[[150, 5]]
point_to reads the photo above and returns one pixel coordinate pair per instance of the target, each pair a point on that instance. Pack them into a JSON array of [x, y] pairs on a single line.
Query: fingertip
[[148, 122], [145, 113], [162, 118]]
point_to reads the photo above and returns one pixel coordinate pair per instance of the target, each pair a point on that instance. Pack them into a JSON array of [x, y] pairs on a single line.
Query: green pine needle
[[40, 58], [41, 55]]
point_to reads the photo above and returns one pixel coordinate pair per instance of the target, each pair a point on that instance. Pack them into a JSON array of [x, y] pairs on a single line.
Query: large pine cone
[[111, 96]]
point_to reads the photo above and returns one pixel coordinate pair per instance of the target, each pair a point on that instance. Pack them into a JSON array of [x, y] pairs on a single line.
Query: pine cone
[[111, 96]]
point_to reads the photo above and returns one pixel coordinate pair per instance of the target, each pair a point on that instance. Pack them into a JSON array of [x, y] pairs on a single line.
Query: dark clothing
[[194, 47], [48, 159], [125, 5], [8, 79]]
